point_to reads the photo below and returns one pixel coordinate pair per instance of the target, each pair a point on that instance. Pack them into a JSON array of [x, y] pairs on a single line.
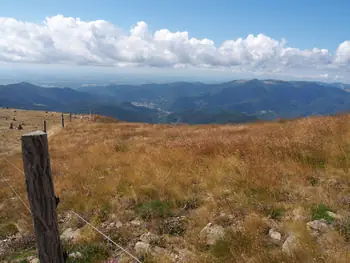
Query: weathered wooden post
[[37, 169], [62, 117], [70, 117], [45, 126]]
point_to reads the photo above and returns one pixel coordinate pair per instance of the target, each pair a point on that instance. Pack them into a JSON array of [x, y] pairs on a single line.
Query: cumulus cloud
[[66, 40], [343, 53]]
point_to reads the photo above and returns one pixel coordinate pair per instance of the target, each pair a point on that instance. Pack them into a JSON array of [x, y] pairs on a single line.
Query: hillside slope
[[284, 99], [109, 101], [267, 190], [266, 99]]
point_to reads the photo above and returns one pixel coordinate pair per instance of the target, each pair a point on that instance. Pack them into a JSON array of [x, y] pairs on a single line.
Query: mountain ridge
[[196, 102]]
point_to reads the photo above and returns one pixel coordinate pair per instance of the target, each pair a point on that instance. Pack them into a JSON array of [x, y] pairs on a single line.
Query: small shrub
[[103, 213], [121, 146], [273, 212], [190, 203], [8, 230], [313, 180], [173, 226], [91, 253], [154, 208], [277, 213], [320, 212]]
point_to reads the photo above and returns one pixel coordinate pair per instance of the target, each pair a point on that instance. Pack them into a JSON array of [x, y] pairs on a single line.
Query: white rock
[[149, 238], [212, 233], [70, 235], [142, 248], [275, 236], [136, 222], [160, 250], [290, 245], [118, 224], [34, 260], [115, 225], [333, 215], [320, 226], [75, 255]]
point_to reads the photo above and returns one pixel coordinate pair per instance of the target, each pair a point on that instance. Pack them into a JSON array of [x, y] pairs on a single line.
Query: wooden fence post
[[70, 117], [62, 117], [45, 126], [37, 169]]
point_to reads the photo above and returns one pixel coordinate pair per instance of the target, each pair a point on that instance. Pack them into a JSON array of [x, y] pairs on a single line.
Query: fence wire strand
[[19, 197], [76, 214]]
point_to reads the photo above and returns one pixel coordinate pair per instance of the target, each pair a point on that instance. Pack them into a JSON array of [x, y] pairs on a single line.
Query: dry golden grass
[[30, 120], [259, 173]]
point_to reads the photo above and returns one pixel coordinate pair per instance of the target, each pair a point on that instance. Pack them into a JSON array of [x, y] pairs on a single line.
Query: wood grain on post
[[62, 120], [40, 188]]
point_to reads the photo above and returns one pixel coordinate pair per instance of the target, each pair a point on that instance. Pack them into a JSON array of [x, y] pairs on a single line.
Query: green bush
[[320, 212], [153, 209]]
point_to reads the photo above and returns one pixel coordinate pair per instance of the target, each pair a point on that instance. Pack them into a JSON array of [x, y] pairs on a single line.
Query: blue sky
[[303, 24]]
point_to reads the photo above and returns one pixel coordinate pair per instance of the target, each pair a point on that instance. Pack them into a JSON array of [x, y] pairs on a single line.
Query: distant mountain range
[[184, 102]]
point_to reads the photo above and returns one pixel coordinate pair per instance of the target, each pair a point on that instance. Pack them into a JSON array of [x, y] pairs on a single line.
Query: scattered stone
[[70, 235], [290, 245], [136, 222], [75, 255], [20, 127], [11, 126], [142, 248], [318, 226], [35, 260], [113, 225], [224, 220], [275, 236], [211, 233], [149, 238]]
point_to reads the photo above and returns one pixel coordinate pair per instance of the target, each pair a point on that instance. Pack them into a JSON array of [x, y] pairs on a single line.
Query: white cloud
[[66, 40], [343, 53]]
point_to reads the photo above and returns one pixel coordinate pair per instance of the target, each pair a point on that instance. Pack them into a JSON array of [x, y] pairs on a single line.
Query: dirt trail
[[10, 139]]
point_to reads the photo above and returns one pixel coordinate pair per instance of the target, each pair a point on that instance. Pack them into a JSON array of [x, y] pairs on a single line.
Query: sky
[[222, 38]]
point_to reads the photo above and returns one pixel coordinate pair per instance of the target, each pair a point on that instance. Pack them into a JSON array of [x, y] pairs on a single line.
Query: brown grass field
[[266, 175], [30, 120]]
